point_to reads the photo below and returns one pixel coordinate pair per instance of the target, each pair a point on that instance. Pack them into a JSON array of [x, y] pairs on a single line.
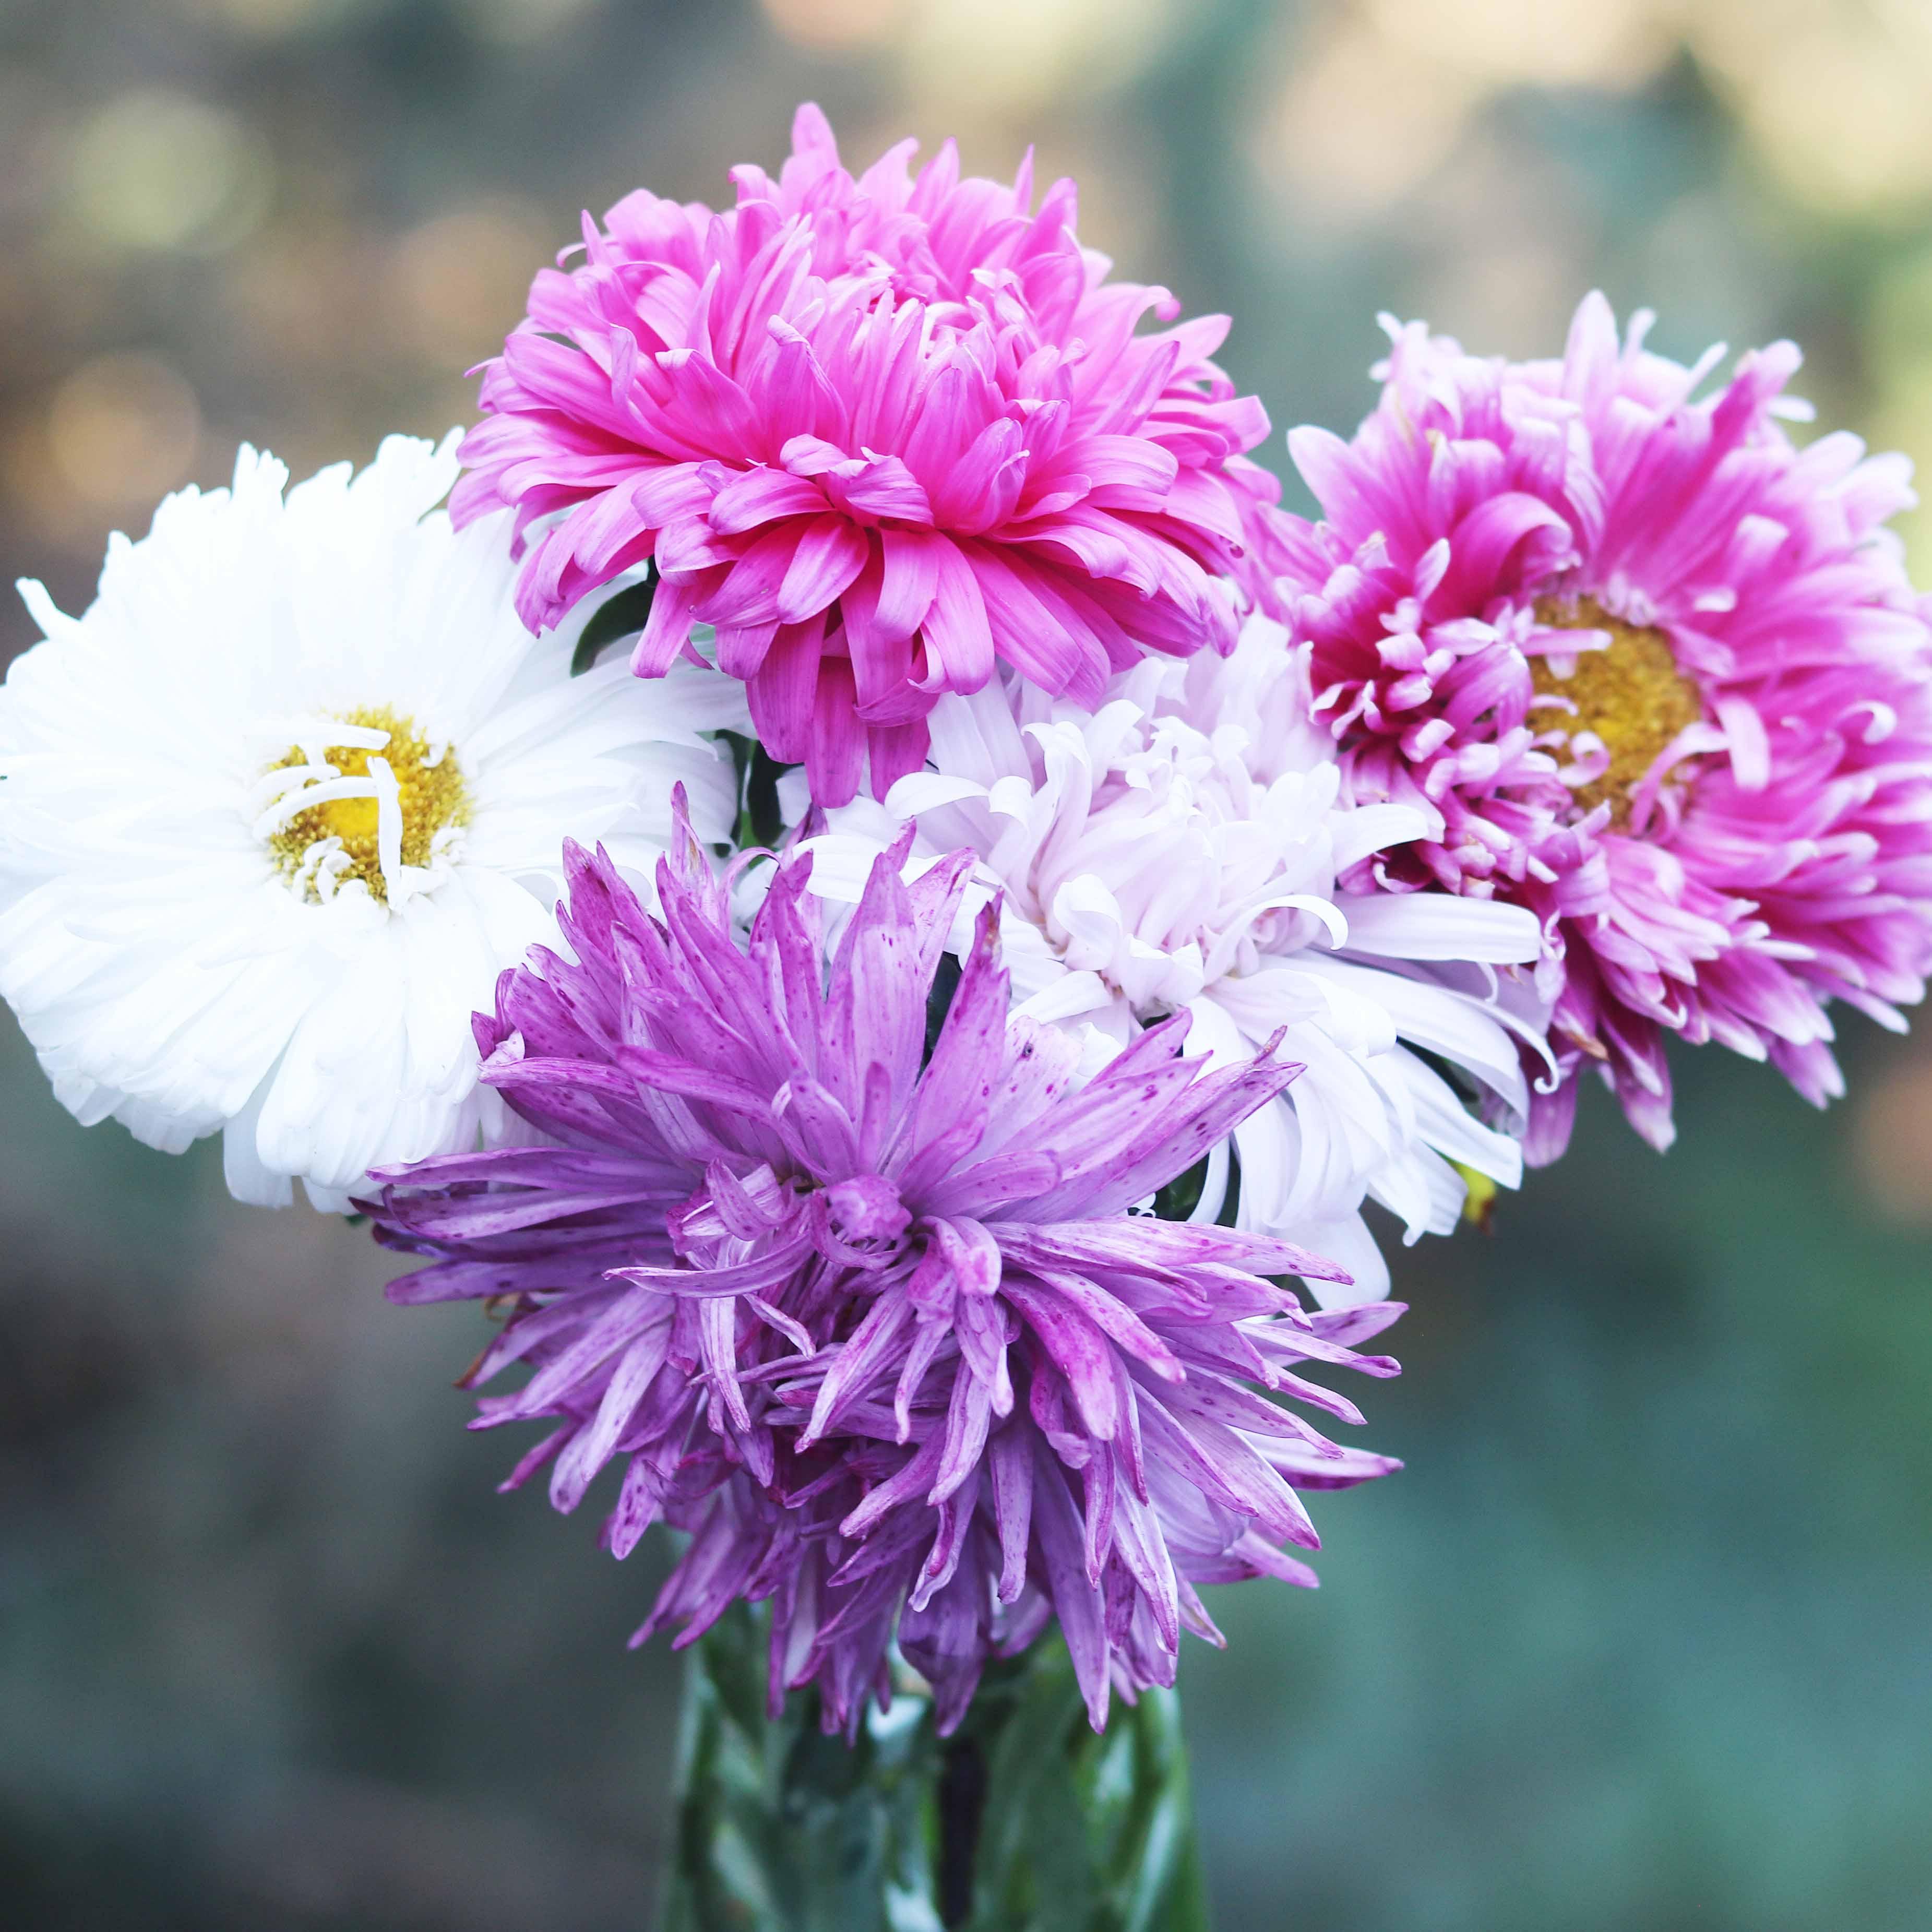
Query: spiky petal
[[877, 1328]]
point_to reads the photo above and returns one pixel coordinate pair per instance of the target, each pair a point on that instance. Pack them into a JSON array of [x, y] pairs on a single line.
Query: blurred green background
[[1641, 1639]]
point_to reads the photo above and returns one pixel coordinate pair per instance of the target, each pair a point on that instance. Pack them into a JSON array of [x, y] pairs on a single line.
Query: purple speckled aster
[[877, 1329]]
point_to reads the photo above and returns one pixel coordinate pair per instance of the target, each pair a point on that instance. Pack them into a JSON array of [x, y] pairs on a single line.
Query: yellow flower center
[[411, 781], [1632, 696]]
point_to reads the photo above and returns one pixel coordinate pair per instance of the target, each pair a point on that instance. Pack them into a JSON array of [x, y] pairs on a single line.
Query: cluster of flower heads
[[896, 1161], [1178, 851], [1659, 670], [873, 1322]]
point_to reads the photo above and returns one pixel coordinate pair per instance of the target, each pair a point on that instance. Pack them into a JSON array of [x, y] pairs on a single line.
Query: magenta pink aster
[[1662, 674], [874, 1325], [880, 433]]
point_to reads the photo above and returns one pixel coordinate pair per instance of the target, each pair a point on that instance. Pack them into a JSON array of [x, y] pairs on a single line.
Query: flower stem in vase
[[1024, 1820]]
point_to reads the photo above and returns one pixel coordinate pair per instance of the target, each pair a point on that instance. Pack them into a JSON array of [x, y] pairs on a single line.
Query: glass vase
[[1023, 1821]]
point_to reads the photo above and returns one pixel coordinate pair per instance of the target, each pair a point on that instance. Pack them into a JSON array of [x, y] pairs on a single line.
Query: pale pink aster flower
[[1179, 851], [870, 1319], [881, 434], [1662, 674]]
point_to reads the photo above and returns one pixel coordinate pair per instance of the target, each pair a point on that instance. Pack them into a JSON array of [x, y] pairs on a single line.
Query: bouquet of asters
[[868, 895]]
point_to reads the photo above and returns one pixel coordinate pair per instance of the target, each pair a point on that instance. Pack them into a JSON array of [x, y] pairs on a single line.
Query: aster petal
[[836, 1333]]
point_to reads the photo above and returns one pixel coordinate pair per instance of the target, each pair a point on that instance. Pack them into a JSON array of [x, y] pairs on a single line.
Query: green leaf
[[623, 616], [761, 822], [762, 817], [1182, 1195], [939, 999]]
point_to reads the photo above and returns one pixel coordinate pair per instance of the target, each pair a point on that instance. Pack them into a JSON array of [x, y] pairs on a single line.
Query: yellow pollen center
[[430, 793], [1632, 696]]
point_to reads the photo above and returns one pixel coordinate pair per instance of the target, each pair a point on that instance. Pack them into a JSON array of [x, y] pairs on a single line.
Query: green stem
[[961, 1801], [1024, 1821]]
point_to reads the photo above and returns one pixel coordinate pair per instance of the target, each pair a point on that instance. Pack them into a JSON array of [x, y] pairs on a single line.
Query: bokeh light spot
[[458, 282], [1894, 1142], [1543, 43], [1360, 123], [1013, 56], [1834, 95], [122, 429], [836, 23], [157, 170]]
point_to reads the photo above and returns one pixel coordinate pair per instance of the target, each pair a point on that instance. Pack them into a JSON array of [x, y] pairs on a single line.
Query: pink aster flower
[[873, 1323], [1662, 674], [880, 433]]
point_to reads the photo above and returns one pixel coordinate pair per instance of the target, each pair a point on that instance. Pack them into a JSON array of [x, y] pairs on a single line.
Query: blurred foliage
[[1637, 1643], [1637, 1640]]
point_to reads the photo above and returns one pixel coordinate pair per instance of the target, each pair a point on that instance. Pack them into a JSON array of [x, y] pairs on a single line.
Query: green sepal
[[760, 821], [1182, 1195], [623, 616]]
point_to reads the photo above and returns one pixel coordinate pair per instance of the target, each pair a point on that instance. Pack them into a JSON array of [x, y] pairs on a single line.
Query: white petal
[[1453, 1131], [841, 864], [1451, 1024], [251, 1178], [1070, 995], [925, 791], [1370, 828], [1346, 1239], [1438, 925], [165, 971]]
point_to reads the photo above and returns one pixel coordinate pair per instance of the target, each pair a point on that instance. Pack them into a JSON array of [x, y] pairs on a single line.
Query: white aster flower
[[280, 807], [1180, 849]]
